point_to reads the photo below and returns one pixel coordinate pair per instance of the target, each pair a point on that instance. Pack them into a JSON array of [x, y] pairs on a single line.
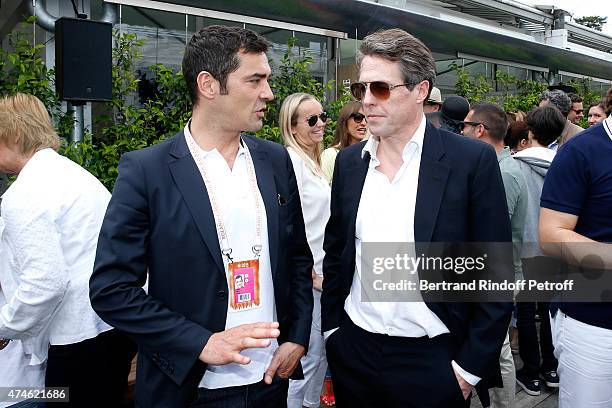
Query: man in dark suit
[[213, 219], [410, 183]]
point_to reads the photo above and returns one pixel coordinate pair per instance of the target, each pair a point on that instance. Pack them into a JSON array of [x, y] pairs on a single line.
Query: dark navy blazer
[[160, 223]]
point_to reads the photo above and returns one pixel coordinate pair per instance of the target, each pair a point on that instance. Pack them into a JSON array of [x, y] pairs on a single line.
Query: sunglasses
[[578, 111], [313, 119], [380, 90], [359, 117], [464, 123]]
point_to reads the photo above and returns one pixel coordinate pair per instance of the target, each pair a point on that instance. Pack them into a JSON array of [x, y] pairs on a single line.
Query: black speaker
[[83, 60]]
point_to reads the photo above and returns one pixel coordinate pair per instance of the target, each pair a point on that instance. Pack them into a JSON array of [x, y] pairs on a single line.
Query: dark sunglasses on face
[[358, 117], [464, 123], [313, 119], [578, 111], [380, 90]]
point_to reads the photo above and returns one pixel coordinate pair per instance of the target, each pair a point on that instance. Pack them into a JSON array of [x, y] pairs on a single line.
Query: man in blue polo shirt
[[575, 224]]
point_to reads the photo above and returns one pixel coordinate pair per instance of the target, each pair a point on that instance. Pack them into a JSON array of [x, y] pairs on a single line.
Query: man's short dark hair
[[546, 123], [559, 99], [517, 131], [415, 59], [492, 116], [214, 49], [575, 98]]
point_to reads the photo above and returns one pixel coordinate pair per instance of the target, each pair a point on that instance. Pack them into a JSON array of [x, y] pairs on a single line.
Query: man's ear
[[208, 87], [423, 88]]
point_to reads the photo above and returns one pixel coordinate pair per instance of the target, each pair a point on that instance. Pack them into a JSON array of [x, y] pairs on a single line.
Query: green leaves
[[22, 70], [512, 93], [294, 76]]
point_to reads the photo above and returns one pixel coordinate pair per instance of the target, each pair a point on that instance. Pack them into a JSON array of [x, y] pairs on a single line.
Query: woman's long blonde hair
[[287, 119]]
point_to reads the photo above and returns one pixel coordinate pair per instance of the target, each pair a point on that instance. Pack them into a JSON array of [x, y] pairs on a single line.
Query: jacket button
[[221, 293]]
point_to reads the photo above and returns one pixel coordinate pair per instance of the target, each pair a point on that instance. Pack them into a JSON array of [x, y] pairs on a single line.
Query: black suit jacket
[[460, 198], [159, 222]]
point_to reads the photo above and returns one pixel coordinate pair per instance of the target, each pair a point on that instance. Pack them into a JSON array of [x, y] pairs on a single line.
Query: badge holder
[[244, 281]]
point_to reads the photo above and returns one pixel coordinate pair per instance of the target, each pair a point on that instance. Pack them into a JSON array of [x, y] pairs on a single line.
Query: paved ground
[[547, 399]]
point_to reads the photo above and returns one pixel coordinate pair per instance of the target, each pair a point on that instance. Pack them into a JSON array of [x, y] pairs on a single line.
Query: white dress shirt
[[386, 214], [235, 199], [315, 197], [51, 219]]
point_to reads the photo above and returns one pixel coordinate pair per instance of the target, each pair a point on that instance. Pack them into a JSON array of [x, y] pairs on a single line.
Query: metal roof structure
[[503, 30], [531, 19]]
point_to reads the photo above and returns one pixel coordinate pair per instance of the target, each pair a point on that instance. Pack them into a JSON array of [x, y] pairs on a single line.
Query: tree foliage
[[594, 22], [509, 92], [22, 70]]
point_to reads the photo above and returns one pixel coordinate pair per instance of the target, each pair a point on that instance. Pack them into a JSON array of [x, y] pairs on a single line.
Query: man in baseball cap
[[434, 103]]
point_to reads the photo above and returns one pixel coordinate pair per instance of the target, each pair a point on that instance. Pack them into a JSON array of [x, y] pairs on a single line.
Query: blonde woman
[[302, 123], [51, 218]]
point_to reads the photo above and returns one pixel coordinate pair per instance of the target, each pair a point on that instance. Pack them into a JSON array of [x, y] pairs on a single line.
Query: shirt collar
[[417, 140], [607, 124], [187, 132], [503, 154]]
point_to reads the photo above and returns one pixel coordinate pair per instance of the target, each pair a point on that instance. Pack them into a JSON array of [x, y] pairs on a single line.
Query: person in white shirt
[[408, 186], [302, 123], [16, 370], [351, 127], [51, 218]]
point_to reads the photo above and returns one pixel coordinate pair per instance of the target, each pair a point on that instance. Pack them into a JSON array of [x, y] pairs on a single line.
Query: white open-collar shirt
[[234, 196]]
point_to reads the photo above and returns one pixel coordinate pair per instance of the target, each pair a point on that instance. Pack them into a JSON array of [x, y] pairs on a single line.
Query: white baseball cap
[[435, 96]]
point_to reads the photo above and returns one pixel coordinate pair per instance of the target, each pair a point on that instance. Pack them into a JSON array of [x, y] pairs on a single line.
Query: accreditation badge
[[244, 285]]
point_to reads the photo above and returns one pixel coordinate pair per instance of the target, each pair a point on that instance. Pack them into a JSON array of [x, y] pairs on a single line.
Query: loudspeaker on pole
[[83, 60]]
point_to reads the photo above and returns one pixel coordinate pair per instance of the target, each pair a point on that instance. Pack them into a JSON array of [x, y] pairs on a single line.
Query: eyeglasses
[[358, 117], [379, 89], [464, 123], [313, 119], [578, 111]]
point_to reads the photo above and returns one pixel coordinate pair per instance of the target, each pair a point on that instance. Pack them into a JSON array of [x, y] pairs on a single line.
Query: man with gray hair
[[564, 103], [408, 186]]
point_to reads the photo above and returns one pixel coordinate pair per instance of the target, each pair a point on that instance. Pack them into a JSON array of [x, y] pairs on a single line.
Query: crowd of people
[[237, 269]]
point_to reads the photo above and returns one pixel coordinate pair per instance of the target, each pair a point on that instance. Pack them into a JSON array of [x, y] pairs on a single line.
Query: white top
[[315, 196], [16, 371], [386, 215], [52, 216], [384, 206], [328, 160], [235, 199]]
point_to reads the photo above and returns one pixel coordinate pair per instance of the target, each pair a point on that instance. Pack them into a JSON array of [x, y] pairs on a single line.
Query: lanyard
[[198, 156]]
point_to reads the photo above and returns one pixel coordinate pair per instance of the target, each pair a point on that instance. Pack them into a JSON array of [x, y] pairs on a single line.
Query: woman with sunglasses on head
[[352, 127], [302, 124], [597, 113]]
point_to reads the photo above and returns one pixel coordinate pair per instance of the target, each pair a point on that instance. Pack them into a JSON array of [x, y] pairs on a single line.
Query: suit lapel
[[432, 182], [357, 171], [267, 188], [189, 182]]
